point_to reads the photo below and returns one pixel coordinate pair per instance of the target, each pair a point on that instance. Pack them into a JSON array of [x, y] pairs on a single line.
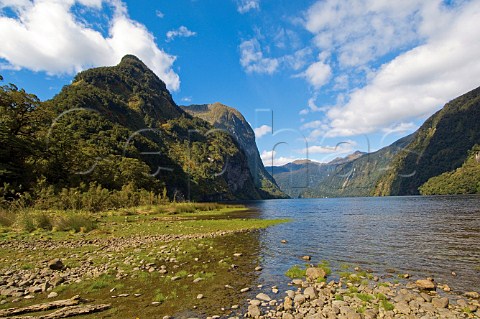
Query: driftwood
[[75, 300], [69, 308], [68, 312]]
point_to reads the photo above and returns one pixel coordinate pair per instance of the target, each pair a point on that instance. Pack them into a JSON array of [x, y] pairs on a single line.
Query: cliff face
[[232, 121], [440, 145], [145, 123]]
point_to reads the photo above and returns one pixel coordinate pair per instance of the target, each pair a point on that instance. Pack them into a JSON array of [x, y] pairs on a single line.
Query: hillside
[[463, 180], [353, 175], [232, 121], [440, 145], [118, 127]]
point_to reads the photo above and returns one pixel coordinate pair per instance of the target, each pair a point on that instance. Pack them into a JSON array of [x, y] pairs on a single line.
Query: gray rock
[[472, 294], [403, 308], [199, 296], [245, 289], [288, 303], [254, 311], [299, 299], [425, 284], [56, 264], [264, 297], [255, 302], [53, 294], [440, 302], [310, 293], [313, 273]]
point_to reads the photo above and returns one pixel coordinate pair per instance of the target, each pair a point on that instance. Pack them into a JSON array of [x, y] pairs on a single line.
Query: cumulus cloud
[[244, 6], [419, 81], [45, 35], [252, 59], [362, 30], [436, 48], [181, 32], [318, 74], [262, 130]]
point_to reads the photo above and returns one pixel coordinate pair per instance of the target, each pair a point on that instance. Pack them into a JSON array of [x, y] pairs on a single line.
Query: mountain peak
[[132, 60]]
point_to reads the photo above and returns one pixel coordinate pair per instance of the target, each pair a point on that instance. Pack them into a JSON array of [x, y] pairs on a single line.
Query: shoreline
[[370, 298]]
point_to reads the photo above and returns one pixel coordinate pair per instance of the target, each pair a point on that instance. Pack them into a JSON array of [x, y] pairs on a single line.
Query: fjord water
[[422, 236]]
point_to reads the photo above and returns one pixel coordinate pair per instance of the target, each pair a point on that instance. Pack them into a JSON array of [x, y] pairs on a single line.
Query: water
[[422, 236]]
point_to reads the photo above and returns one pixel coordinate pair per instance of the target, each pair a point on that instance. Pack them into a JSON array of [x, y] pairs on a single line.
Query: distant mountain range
[[442, 144]]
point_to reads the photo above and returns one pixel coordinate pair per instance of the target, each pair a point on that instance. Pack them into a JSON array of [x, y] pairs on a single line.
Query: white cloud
[[318, 74], [182, 32], [244, 6], [418, 82], [47, 36], [268, 160], [252, 59], [159, 14], [298, 59], [362, 30], [187, 99], [262, 130], [341, 148]]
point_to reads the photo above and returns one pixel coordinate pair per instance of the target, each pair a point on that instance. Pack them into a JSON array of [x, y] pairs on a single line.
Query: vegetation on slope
[[439, 145], [463, 180], [232, 121], [112, 128]]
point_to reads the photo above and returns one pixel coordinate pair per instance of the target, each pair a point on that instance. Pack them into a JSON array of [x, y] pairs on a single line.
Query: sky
[[316, 79]]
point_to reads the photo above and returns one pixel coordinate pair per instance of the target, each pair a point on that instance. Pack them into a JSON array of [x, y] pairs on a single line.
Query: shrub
[[78, 222]]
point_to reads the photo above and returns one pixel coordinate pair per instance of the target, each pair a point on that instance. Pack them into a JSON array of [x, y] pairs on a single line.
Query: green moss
[[386, 305], [295, 272]]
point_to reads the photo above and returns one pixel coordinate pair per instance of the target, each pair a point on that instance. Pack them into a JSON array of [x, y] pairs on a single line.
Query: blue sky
[[334, 75]]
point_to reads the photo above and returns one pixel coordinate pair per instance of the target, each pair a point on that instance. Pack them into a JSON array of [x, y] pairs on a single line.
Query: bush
[[77, 222], [7, 218]]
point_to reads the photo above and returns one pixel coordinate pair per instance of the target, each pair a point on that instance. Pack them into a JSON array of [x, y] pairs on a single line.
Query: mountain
[[232, 121], [463, 180], [353, 175], [440, 145], [113, 122]]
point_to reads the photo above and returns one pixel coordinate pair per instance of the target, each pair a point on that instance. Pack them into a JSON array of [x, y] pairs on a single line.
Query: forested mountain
[[437, 152], [440, 145], [463, 180], [354, 175], [232, 121], [116, 127]]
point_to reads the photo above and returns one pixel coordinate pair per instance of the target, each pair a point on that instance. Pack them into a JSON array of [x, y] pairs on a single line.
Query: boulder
[[425, 284], [313, 273], [56, 264]]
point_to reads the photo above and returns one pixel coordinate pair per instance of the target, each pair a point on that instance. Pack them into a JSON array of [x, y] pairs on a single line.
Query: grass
[[386, 305], [365, 297], [295, 272], [134, 223], [339, 297]]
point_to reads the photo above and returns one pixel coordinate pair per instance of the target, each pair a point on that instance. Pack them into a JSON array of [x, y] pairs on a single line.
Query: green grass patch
[[339, 297], [295, 272], [380, 296], [365, 297], [386, 305]]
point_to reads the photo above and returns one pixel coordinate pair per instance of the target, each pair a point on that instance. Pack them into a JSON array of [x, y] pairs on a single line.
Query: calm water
[[422, 236]]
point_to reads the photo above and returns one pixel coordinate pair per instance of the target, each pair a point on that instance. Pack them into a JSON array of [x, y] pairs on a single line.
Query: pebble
[[199, 296], [245, 289], [264, 297]]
